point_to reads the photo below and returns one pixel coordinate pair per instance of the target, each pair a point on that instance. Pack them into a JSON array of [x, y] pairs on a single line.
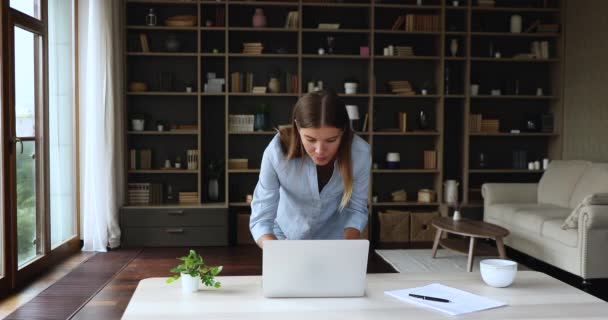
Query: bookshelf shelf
[[505, 134], [400, 32], [515, 35], [161, 28], [413, 58], [164, 171], [336, 56], [266, 29], [263, 56], [404, 204], [164, 133], [515, 97], [408, 7], [515, 9], [524, 171], [263, 3], [163, 54], [514, 60], [161, 93], [312, 30], [405, 171]]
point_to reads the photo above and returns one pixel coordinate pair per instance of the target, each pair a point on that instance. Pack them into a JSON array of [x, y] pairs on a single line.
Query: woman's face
[[321, 144]]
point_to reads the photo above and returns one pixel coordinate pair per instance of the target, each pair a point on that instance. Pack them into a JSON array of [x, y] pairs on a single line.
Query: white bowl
[[497, 272]]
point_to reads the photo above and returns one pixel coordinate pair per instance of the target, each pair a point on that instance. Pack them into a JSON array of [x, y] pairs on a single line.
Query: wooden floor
[[16, 300]]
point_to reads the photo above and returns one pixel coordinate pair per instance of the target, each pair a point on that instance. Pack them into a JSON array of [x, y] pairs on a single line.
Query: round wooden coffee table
[[468, 228]]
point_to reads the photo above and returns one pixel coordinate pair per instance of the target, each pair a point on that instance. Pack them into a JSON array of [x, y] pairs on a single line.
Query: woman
[[314, 177]]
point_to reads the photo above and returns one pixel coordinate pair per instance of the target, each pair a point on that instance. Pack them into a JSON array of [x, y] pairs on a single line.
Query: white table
[[534, 295]]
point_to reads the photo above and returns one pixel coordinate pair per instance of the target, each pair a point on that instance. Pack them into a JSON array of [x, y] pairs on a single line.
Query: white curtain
[[100, 46]]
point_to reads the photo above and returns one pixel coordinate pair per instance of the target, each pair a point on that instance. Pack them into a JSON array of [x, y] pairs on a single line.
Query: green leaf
[[217, 284]]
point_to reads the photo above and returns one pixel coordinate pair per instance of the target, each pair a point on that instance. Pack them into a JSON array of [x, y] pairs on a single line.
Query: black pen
[[428, 298]]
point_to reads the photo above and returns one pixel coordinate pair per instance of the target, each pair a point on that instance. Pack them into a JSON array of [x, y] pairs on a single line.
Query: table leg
[[436, 242], [501, 248], [471, 254]]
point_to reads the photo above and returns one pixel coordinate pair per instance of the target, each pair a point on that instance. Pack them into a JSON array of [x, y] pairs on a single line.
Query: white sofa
[[534, 214]]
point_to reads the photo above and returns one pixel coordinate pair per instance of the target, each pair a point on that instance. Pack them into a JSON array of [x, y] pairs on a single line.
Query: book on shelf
[[490, 125], [475, 123], [417, 22], [241, 82], [188, 197], [401, 87], [253, 47], [333, 26], [259, 89], [293, 20], [145, 159], [132, 159], [540, 49], [143, 40], [430, 159], [403, 121]]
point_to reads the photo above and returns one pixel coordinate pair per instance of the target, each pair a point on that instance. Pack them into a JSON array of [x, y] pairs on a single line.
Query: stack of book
[[291, 82], [430, 159], [403, 121], [399, 196], [475, 123], [258, 90], [490, 125], [253, 47], [293, 20], [401, 87], [188, 197], [417, 22], [144, 193], [404, 51], [486, 3]]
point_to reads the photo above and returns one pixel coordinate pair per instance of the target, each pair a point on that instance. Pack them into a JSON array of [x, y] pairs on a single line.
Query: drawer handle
[[177, 230], [176, 213]]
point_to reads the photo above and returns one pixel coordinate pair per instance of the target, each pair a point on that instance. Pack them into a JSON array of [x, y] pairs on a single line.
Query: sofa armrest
[[594, 217], [494, 193]]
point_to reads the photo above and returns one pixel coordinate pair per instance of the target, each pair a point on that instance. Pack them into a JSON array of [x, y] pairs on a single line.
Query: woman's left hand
[[352, 234]]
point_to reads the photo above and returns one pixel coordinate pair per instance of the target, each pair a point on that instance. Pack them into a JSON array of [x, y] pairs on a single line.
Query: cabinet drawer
[[174, 217], [175, 236]]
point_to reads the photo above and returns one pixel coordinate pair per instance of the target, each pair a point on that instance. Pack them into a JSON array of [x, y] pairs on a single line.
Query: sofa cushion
[[558, 182], [532, 219], [505, 211], [594, 180], [552, 229]]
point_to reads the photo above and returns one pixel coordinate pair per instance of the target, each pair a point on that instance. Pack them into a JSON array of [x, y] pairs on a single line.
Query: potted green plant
[[194, 270], [160, 126], [215, 168], [178, 162]]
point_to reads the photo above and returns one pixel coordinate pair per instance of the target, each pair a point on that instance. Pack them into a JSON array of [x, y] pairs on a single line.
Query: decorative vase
[[516, 23], [259, 19], [213, 190], [454, 47], [451, 191], [423, 120], [456, 215], [172, 44], [259, 121], [138, 124], [350, 87], [189, 283], [274, 86]]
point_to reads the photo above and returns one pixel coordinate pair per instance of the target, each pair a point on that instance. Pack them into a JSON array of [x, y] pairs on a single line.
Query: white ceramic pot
[[189, 283], [497, 272], [178, 165], [350, 87], [474, 89], [138, 124]]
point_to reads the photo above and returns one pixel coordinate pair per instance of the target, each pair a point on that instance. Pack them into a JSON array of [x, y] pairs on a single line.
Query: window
[[62, 129]]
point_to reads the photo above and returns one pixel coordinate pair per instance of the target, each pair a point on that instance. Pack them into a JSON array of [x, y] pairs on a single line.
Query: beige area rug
[[420, 260]]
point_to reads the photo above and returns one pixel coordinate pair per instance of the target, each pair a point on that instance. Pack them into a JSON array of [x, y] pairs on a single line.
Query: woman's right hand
[[268, 236]]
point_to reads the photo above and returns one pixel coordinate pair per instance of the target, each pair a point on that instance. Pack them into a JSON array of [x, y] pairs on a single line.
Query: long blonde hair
[[316, 110]]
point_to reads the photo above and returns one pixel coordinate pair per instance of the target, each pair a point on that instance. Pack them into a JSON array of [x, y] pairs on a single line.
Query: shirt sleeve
[[265, 198], [356, 209]]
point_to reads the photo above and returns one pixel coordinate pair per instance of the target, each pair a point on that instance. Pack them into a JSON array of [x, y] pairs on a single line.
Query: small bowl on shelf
[[181, 21]]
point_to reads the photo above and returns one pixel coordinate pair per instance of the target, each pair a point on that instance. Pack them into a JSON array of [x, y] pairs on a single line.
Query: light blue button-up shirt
[[287, 203]]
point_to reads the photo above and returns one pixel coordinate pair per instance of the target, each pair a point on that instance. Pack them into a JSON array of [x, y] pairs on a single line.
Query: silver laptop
[[314, 268]]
